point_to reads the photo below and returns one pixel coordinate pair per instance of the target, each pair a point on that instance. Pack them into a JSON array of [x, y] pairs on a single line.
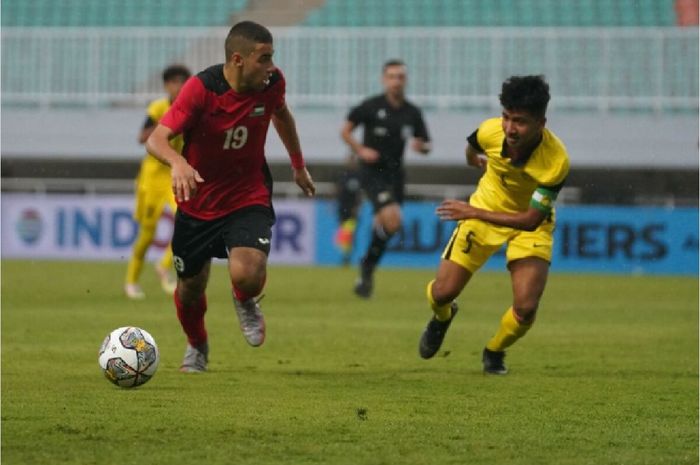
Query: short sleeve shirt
[[386, 128], [224, 133], [509, 187]]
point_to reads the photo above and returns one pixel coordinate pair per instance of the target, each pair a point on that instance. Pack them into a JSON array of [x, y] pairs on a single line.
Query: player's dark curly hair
[[526, 93], [176, 71]]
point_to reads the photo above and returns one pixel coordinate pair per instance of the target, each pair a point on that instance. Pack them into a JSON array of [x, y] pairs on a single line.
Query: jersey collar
[[390, 105], [522, 161]]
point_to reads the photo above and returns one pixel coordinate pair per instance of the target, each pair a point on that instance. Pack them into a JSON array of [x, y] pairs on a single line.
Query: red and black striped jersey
[[224, 133]]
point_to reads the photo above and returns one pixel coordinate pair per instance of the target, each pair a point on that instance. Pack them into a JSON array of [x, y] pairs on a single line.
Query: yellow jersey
[[509, 187], [154, 175]]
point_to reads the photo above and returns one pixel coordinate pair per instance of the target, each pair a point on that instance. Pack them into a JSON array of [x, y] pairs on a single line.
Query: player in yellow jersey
[[525, 168], [154, 191]]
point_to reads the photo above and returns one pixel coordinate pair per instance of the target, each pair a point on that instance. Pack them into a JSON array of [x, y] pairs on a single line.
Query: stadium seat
[[118, 13], [354, 13], [494, 13]]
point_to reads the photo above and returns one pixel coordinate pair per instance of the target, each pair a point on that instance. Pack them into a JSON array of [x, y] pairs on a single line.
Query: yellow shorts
[[474, 241], [150, 204]]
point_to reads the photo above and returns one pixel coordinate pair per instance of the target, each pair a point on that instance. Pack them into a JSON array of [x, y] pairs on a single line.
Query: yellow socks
[[508, 332], [138, 253], [442, 312]]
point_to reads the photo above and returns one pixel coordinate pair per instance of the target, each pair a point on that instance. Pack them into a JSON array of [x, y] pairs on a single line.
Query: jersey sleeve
[[551, 182], [557, 179], [358, 115], [186, 107], [489, 135], [473, 140], [154, 112], [554, 170], [148, 122]]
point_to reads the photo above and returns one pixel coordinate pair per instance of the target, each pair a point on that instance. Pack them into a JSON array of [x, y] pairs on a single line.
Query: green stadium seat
[[567, 17], [494, 13], [551, 13], [520, 13], [118, 13], [587, 13]]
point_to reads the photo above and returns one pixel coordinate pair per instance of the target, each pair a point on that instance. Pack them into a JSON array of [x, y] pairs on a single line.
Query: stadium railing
[[597, 69]]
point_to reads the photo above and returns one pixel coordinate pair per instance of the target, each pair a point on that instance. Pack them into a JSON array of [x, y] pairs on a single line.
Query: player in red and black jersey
[[389, 120], [222, 183]]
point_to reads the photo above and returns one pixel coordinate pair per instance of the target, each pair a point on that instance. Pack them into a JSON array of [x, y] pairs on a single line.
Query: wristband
[[297, 160]]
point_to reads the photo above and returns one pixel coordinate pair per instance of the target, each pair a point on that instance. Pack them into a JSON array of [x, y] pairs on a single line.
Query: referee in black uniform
[[388, 121]]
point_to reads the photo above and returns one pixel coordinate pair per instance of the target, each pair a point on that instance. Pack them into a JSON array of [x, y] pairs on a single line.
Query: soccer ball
[[129, 356]]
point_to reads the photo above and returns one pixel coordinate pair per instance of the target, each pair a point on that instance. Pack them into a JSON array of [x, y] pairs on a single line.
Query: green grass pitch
[[609, 374]]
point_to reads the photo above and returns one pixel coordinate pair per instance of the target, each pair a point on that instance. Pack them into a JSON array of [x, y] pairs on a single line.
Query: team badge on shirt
[[258, 110]]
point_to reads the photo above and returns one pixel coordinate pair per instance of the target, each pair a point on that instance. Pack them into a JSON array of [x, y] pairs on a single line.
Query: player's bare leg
[[449, 281], [528, 278], [248, 271], [191, 304], [386, 222]]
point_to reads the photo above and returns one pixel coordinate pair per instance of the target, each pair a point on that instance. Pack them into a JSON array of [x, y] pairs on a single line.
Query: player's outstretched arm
[[286, 128], [184, 177], [528, 220]]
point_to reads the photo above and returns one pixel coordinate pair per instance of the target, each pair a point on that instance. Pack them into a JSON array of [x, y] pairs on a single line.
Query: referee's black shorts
[[382, 186]]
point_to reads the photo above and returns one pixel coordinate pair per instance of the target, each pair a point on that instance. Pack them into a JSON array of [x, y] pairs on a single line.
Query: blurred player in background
[[388, 120], [154, 191], [349, 198], [222, 182], [525, 168]]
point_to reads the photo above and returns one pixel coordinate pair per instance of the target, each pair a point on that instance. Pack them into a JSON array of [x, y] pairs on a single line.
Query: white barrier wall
[[593, 140]]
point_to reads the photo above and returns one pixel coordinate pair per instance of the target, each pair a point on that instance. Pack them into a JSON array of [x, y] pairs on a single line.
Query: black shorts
[[196, 241], [382, 186]]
